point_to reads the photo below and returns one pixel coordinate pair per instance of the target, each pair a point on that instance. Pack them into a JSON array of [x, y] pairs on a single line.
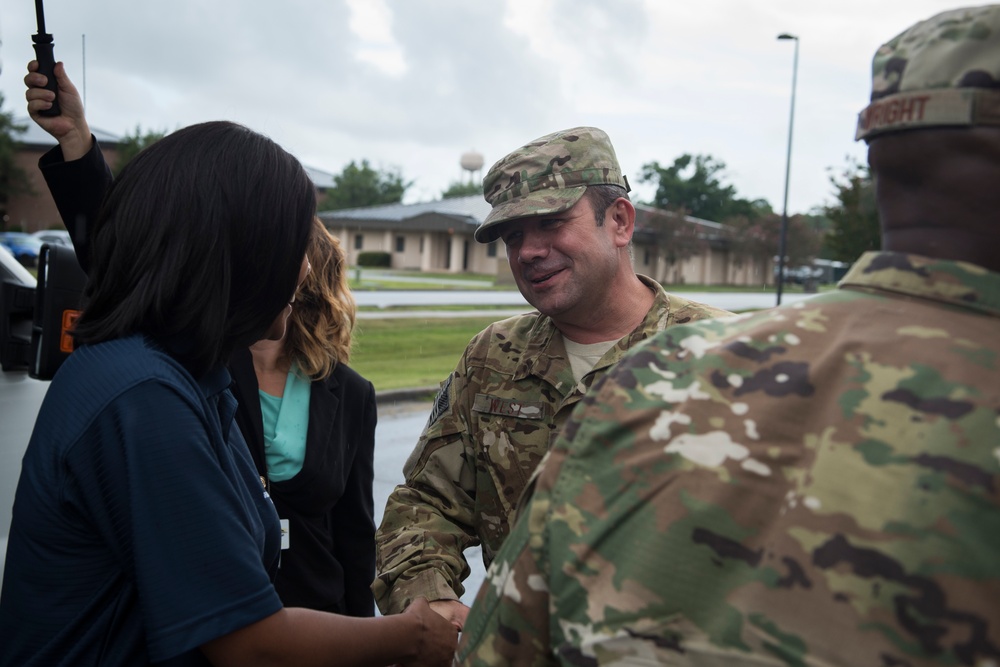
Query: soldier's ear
[[620, 216]]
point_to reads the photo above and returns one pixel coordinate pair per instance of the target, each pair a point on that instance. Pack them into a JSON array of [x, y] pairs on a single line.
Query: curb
[[406, 395]]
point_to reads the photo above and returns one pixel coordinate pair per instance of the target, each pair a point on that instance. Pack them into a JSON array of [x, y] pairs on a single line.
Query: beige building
[[437, 237], [433, 236], [711, 258]]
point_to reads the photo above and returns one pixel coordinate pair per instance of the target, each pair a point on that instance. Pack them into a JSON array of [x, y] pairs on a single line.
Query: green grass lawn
[[411, 352]]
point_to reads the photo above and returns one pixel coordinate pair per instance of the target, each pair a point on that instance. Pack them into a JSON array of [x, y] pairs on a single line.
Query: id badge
[[285, 534]]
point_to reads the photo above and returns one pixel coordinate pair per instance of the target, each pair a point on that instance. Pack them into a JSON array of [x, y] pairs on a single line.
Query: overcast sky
[[414, 84]]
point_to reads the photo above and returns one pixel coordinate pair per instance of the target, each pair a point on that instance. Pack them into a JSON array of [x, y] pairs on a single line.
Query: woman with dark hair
[[141, 533], [319, 441], [179, 248], [309, 421]]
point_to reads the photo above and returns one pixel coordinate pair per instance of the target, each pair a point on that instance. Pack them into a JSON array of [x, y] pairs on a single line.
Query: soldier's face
[[564, 264]]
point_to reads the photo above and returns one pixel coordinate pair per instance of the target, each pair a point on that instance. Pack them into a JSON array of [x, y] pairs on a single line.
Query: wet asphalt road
[[20, 398], [735, 301], [399, 426]]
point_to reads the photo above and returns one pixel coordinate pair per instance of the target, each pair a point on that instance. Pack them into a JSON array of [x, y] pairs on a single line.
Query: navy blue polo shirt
[[140, 527]]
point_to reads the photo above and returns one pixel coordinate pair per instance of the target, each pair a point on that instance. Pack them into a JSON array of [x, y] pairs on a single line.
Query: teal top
[[286, 421]]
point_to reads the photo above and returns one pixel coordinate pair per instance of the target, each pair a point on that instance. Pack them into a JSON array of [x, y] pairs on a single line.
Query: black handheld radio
[[46, 59]]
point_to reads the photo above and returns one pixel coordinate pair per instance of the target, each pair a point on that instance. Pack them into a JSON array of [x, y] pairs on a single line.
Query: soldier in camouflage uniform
[[817, 484], [560, 204]]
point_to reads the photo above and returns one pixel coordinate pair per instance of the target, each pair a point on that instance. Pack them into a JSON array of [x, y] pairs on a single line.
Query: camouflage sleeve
[[429, 520], [509, 621]]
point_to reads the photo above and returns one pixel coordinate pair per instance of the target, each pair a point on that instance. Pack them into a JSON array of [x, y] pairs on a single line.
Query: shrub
[[373, 258]]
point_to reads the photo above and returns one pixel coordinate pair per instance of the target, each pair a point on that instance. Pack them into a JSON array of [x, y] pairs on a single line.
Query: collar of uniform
[[657, 318], [544, 345], [959, 284]]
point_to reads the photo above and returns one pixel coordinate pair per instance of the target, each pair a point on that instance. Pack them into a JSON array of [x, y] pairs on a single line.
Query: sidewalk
[[412, 395], [499, 313], [512, 301]]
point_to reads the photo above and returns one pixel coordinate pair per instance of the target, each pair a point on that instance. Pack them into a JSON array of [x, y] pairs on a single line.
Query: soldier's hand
[[438, 640], [452, 611]]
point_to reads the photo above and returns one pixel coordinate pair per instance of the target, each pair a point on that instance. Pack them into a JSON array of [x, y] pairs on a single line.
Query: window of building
[[359, 241], [400, 244], [491, 249]]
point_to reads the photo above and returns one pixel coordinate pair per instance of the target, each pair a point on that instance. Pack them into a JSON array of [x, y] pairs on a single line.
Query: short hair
[[324, 312], [198, 244], [602, 197]]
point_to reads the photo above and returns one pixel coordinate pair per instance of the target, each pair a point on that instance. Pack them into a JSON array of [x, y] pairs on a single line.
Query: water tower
[[472, 162]]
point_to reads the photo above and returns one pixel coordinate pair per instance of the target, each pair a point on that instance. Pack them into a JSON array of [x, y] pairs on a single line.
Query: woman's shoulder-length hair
[[198, 243], [323, 316]]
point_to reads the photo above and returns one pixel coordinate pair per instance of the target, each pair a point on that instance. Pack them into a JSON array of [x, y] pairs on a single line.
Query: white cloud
[[371, 21], [415, 83]]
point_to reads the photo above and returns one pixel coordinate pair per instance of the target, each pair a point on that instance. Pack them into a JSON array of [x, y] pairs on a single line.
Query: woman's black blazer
[[330, 562]]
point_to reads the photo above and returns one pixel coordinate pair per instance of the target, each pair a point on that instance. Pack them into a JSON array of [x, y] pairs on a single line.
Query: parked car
[[13, 271], [54, 237], [24, 247], [20, 394]]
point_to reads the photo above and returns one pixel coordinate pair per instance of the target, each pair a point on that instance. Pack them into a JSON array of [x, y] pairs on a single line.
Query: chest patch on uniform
[[508, 407]]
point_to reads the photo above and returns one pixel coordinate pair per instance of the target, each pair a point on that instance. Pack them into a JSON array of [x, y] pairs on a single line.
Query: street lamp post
[[782, 244]]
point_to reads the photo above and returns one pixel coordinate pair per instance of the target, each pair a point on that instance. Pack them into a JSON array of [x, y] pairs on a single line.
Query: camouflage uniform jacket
[[817, 484], [493, 421]]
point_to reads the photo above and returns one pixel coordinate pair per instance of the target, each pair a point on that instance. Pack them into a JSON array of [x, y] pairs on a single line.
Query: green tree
[[13, 179], [818, 221], [460, 189], [694, 183], [854, 225], [759, 237], [363, 186], [132, 144]]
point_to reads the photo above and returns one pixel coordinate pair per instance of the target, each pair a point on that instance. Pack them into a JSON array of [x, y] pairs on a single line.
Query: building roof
[[36, 136], [473, 207], [707, 225], [470, 210], [441, 215], [321, 179]]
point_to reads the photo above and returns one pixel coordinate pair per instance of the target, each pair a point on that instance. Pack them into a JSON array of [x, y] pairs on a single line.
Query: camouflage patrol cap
[[944, 71], [548, 175]]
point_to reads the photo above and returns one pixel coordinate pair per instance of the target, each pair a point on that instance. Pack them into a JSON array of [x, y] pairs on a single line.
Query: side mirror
[[58, 302], [16, 306]]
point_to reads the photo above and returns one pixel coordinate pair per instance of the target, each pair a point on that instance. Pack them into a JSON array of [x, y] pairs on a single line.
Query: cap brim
[[541, 202]]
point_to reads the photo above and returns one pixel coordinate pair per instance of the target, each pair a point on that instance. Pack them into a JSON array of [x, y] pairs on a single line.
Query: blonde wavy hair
[[324, 312]]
